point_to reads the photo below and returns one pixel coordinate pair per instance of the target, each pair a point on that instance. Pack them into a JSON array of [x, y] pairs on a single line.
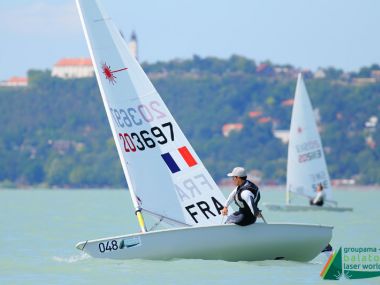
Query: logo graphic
[[130, 242], [353, 263], [109, 74]]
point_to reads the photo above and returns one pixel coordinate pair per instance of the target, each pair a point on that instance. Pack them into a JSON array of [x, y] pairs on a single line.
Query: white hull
[[223, 242], [294, 208]]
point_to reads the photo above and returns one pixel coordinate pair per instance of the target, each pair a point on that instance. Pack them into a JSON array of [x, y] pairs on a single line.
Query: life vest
[[252, 187]]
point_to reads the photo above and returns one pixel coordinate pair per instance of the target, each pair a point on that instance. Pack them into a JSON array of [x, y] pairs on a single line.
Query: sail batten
[[163, 172]]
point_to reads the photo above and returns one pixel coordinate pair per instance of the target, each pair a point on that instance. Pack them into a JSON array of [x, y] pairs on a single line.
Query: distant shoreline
[[279, 188]]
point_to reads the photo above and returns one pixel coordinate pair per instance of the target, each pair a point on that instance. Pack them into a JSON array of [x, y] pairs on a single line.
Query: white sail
[[306, 161], [164, 174]]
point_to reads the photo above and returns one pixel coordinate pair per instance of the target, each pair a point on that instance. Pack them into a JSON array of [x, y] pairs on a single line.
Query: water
[[39, 230]]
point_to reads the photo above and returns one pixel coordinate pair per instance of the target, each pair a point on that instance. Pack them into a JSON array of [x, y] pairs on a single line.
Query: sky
[[307, 34]]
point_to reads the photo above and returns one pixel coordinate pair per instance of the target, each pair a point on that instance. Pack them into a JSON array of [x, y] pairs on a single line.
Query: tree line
[[54, 133]]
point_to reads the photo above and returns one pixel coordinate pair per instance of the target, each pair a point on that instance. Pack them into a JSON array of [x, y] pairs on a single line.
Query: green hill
[[55, 131]]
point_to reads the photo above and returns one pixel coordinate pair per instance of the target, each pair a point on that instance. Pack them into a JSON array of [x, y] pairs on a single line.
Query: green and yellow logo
[[353, 263]]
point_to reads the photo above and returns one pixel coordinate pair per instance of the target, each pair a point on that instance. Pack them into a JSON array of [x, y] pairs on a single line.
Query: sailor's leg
[[248, 219], [241, 218], [319, 203], [235, 218]]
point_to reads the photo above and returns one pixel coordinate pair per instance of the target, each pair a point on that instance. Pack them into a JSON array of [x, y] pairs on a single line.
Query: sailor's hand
[[225, 211]]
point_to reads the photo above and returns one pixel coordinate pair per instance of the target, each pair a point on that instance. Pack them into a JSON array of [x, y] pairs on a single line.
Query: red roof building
[[288, 102], [15, 82], [228, 128], [265, 120], [254, 114], [265, 69], [74, 62], [73, 68]]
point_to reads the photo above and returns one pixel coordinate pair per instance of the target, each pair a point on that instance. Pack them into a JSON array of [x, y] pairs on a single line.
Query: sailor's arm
[[318, 197], [228, 202]]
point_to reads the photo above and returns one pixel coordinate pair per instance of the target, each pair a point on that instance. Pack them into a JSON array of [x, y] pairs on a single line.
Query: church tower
[[133, 48]]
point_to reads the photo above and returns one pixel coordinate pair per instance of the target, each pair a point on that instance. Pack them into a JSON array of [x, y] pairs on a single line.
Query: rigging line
[[262, 217], [156, 224], [166, 218]]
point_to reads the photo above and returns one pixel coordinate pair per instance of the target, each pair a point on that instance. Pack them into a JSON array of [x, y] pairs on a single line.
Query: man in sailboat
[[246, 196], [319, 197]]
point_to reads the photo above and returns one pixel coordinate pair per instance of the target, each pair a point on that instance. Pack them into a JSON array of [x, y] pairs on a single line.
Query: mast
[[136, 205], [135, 201], [287, 196]]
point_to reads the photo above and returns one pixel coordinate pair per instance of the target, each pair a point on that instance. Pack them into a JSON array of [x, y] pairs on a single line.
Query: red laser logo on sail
[[109, 74]]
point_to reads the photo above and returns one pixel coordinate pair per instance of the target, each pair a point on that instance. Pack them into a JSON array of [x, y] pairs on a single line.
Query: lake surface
[[39, 230]]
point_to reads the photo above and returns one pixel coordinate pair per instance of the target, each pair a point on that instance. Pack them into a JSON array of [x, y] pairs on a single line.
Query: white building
[[320, 74], [282, 135], [82, 67], [15, 82], [73, 68], [228, 128]]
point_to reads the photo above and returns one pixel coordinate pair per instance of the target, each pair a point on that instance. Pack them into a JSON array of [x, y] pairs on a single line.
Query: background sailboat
[[306, 160], [165, 176]]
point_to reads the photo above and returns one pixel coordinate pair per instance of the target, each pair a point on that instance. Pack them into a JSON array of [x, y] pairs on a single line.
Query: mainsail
[[164, 174], [306, 161]]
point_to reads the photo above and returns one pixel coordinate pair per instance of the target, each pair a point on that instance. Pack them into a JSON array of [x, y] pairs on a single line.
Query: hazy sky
[[305, 33]]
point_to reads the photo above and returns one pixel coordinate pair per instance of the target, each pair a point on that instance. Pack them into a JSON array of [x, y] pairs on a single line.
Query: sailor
[[246, 196], [319, 198]]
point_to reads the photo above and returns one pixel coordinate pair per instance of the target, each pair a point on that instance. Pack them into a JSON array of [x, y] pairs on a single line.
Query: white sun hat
[[238, 171]]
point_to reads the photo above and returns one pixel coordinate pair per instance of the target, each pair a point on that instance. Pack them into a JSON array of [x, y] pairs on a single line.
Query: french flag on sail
[[179, 159]]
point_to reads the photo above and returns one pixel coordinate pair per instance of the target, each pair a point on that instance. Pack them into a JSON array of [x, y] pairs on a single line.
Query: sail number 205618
[[146, 139]]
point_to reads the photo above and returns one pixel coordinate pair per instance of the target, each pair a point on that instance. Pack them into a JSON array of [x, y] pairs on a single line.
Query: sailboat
[[166, 178], [306, 160]]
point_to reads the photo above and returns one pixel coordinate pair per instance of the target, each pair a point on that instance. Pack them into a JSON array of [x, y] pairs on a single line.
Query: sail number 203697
[[143, 113], [146, 139]]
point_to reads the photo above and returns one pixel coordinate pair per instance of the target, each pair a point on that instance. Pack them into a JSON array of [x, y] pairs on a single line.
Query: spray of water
[[72, 259]]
